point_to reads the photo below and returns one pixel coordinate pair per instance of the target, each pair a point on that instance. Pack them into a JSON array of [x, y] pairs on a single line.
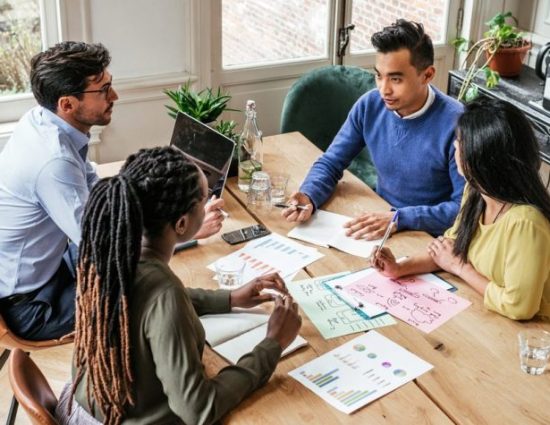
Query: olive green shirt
[[167, 342]]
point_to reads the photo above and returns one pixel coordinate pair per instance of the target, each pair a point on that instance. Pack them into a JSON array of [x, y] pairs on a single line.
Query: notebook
[[232, 335], [207, 148]]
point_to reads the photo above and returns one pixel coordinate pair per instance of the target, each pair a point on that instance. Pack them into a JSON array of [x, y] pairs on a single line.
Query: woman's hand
[[213, 218], [384, 262], [285, 321], [250, 295], [441, 251]]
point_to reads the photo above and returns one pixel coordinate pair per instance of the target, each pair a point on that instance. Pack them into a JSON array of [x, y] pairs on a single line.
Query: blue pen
[[388, 231]]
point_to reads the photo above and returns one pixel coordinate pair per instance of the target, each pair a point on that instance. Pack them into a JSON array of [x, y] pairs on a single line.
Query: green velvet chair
[[318, 103]]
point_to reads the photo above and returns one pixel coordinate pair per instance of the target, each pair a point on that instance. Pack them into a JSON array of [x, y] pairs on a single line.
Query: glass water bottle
[[250, 148]]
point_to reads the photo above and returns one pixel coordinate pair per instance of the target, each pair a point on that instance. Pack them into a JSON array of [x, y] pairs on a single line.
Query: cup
[[534, 350], [279, 182], [230, 273], [259, 192]]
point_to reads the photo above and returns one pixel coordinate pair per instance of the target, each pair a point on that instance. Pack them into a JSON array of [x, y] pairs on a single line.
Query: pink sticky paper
[[419, 303]]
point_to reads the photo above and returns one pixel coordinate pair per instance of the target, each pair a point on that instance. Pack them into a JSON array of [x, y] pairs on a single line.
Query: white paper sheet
[[360, 371], [273, 253], [326, 229]]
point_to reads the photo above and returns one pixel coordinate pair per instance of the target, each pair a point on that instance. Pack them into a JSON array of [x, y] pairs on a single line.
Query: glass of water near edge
[[534, 350], [230, 273]]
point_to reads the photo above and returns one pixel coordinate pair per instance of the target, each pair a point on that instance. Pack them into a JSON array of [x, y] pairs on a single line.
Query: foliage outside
[[20, 40], [500, 35]]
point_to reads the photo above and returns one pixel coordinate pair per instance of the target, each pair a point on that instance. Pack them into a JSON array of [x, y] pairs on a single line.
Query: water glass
[[534, 350], [278, 187], [230, 273], [259, 193]]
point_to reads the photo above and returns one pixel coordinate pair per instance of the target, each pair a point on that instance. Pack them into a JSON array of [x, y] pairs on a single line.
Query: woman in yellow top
[[500, 241]]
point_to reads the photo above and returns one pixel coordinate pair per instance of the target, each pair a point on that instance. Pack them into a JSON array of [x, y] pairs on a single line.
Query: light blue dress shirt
[[45, 180]]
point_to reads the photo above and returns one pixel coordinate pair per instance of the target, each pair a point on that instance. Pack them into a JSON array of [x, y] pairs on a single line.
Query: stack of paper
[[327, 229], [417, 300], [360, 371], [235, 334], [370, 310], [332, 316], [270, 254]]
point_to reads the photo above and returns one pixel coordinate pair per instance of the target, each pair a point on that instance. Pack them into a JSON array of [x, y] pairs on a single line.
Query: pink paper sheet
[[413, 300]]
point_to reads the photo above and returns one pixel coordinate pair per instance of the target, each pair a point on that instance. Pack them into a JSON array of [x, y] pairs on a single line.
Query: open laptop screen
[[210, 150]]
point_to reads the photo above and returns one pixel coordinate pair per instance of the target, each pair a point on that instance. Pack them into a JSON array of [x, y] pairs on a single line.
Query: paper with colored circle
[[360, 371]]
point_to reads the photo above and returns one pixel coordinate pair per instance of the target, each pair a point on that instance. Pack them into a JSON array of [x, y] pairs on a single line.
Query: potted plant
[[503, 48], [205, 105]]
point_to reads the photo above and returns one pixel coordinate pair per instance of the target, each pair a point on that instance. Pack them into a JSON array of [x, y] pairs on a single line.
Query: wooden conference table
[[476, 377]]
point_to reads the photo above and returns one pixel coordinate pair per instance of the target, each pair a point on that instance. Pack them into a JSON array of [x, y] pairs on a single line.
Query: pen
[[283, 205], [388, 231], [359, 305], [224, 213]]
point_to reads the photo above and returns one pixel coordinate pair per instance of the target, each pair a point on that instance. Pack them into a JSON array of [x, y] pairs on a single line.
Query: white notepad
[[232, 335], [326, 229]]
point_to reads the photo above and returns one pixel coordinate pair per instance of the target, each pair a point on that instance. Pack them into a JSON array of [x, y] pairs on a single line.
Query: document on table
[[270, 254], [326, 229], [370, 310], [330, 315], [413, 299], [232, 335], [360, 371]]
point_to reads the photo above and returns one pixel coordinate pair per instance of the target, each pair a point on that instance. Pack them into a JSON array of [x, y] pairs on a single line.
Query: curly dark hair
[[409, 35], [65, 69], [155, 187]]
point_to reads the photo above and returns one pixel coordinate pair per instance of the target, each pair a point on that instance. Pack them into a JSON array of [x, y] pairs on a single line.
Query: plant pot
[[508, 61]]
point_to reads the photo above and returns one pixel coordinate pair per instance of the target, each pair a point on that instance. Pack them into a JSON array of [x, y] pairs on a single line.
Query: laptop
[[210, 150]]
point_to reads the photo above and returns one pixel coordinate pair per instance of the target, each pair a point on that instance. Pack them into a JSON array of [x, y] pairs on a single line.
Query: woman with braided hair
[[139, 341]]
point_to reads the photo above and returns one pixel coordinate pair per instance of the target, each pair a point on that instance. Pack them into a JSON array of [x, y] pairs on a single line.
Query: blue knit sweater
[[414, 160]]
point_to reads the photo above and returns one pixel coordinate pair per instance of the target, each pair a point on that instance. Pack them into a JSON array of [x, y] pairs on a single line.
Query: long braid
[[112, 224], [154, 188]]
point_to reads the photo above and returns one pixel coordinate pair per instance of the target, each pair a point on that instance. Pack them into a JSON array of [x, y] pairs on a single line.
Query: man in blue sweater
[[408, 128]]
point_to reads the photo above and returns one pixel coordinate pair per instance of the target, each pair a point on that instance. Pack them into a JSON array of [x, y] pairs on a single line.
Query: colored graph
[[349, 398], [321, 379], [360, 371]]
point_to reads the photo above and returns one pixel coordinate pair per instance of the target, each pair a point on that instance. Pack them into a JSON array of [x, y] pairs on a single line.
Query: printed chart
[[332, 316], [360, 371], [270, 254]]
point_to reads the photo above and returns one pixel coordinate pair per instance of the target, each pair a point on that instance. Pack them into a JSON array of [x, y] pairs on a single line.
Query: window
[[20, 40], [259, 32], [370, 16]]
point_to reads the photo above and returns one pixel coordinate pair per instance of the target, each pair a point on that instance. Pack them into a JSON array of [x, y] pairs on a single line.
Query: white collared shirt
[[44, 183], [427, 104]]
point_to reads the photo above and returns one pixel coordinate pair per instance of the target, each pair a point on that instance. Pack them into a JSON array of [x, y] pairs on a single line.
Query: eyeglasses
[[105, 90]]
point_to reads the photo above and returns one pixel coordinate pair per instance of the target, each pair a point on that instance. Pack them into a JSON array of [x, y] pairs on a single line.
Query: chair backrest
[[31, 389], [318, 103], [9, 340]]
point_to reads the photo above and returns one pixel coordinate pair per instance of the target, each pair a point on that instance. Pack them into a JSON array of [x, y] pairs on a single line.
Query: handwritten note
[[414, 300], [332, 316]]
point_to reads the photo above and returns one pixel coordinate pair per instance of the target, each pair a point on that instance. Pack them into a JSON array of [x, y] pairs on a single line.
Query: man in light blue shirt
[[45, 179]]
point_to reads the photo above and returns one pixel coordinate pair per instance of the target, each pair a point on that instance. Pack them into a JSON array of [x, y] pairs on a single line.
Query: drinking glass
[[229, 273], [259, 193], [534, 350], [279, 182]]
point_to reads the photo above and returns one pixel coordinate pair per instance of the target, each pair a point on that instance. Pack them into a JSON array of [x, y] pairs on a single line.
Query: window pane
[[258, 32], [20, 40], [370, 16]]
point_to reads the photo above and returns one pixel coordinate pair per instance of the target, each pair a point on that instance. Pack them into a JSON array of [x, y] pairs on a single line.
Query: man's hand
[[441, 251], [213, 219], [370, 225], [384, 262], [250, 294], [285, 322], [293, 213]]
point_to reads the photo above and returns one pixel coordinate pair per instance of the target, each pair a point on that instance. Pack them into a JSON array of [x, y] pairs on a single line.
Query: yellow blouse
[[514, 254]]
